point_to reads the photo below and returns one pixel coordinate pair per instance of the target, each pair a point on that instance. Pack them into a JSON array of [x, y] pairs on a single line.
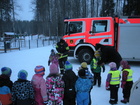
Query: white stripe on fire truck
[[75, 37], [105, 36]]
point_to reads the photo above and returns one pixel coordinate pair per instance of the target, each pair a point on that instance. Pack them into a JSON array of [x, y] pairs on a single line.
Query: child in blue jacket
[[83, 86]]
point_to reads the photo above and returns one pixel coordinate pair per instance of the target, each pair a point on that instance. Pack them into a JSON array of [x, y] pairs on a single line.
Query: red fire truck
[[123, 33]]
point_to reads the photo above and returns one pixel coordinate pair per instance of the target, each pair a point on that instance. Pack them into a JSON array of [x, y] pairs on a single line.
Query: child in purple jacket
[[113, 82], [53, 58], [39, 86]]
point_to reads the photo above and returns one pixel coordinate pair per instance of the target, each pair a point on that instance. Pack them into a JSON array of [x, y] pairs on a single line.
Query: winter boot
[[99, 83], [112, 102], [124, 100]]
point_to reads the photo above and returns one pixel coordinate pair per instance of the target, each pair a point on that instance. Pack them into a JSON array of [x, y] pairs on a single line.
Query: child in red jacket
[[127, 80]]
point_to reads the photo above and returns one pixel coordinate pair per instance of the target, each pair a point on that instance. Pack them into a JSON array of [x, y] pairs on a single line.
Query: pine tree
[[131, 7], [107, 8]]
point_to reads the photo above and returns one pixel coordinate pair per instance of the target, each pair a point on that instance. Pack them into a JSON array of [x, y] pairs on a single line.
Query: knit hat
[[96, 54], [52, 52], [84, 65], [98, 45], [68, 65], [39, 69], [54, 69], [22, 74], [6, 70], [82, 72], [125, 64], [112, 65]]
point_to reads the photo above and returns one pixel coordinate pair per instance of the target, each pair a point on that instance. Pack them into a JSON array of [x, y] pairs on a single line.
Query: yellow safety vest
[[115, 78], [95, 64], [130, 73]]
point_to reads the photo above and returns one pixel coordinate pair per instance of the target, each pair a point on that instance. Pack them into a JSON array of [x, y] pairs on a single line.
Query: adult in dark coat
[[69, 78], [108, 54], [62, 49]]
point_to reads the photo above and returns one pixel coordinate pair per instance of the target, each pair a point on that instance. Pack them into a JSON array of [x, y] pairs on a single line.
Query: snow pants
[[97, 77], [127, 89], [82, 98], [69, 98], [114, 93]]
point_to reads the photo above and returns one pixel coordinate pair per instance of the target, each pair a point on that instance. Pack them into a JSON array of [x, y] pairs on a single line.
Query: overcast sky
[[25, 10]]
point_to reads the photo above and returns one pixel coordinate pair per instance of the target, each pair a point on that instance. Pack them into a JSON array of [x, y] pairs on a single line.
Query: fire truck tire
[[85, 55]]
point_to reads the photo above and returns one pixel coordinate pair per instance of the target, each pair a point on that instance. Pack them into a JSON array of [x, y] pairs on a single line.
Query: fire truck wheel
[[85, 55]]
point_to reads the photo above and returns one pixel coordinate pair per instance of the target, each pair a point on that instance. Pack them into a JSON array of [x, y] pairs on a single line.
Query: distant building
[[7, 36]]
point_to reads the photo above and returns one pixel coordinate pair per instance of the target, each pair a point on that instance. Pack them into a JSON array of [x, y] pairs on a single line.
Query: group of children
[[66, 89], [56, 89], [114, 80]]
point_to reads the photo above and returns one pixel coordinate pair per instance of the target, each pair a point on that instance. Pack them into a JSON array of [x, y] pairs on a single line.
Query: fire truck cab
[[82, 34]]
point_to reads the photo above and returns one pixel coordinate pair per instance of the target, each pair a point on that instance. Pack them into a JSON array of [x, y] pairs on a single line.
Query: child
[[5, 86], [22, 90], [84, 66], [55, 86], [88, 75], [96, 69], [5, 76], [39, 86], [53, 58], [69, 78], [127, 81], [112, 82], [83, 86]]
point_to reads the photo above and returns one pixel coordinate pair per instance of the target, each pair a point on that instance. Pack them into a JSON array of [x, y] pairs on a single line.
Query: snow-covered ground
[[28, 59]]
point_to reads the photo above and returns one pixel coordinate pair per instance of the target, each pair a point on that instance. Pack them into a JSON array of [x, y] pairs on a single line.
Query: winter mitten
[[107, 85], [123, 84], [61, 57]]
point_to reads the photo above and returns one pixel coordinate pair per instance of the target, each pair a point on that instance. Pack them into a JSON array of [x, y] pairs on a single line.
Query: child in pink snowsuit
[[55, 86], [53, 58], [39, 86]]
